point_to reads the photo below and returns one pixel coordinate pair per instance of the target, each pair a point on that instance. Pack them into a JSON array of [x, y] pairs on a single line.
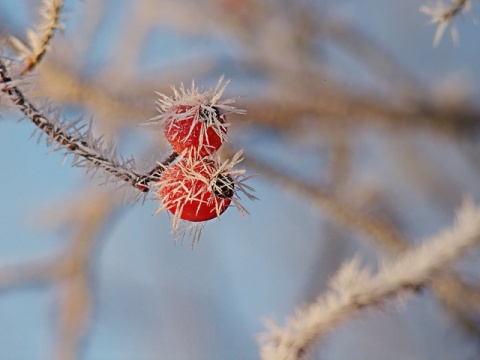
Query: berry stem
[[79, 144], [142, 182]]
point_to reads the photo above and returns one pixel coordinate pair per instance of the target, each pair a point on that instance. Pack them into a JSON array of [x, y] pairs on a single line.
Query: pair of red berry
[[197, 187]]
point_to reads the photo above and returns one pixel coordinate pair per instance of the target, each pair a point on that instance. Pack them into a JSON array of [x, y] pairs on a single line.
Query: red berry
[[197, 128], [195, 190]]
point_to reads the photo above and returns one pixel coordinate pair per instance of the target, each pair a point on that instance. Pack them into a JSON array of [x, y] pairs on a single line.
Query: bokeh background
[[346, 98]]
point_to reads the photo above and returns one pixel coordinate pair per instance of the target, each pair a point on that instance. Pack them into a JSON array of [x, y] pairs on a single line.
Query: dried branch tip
[[443, 15]]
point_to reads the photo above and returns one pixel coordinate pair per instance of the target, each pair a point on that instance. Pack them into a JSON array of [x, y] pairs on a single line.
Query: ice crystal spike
[[209, 100]]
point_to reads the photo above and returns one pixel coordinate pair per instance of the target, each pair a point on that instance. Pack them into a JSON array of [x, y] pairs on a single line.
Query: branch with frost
[[443, 15], [39, 38], [354, 289], [381, 234], [89, 152]]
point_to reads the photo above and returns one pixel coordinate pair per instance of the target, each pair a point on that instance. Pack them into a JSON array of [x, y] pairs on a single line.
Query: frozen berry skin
[[199, 130], [195, 193]]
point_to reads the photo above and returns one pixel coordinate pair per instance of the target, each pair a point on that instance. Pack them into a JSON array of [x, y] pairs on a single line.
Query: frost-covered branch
[[443, 15], [88, 151], [354, 289], [40, 37]]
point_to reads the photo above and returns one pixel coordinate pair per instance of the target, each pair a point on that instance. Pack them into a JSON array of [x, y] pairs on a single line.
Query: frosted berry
[[198, 128], [195, 121], [195, 191]]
